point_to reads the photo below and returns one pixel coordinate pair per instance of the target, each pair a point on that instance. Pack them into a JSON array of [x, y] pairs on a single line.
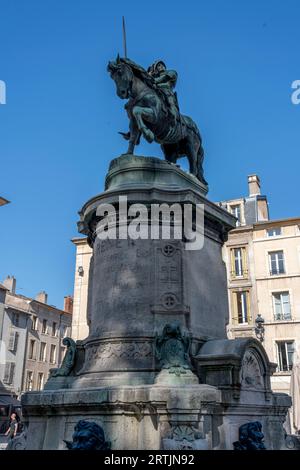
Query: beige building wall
[[267, 285], [258, 240], [80, 328], [47, 326], [22, 327]]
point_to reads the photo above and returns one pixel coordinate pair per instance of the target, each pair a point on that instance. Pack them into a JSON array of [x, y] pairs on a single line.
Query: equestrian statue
[[153, 112]]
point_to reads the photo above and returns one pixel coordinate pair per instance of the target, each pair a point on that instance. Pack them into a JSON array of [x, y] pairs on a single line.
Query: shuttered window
[[13, 341], [9, 373], [239, 267], [282, 306], [241, 307]]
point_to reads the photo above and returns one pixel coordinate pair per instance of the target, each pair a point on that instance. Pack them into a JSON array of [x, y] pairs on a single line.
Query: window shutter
[[245, 263], [234, 308], [11, 342], [232, 262], [7, 373], [286, 305], [248, 307], [277, 305], [16, 341], [11, 373]]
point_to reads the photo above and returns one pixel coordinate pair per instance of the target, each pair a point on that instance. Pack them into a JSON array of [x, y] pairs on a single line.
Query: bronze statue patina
[[251, 437], [88, 435], [166, 81], [68, 362], [172, 348], [153, 112]]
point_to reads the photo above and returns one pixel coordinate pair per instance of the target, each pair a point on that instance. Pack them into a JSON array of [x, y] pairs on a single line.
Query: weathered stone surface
[[137, 287], [145, 417], [128, 170], [124, 312]]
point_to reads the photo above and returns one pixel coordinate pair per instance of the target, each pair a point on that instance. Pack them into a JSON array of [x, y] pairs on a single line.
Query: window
[[285, 352], [29, 381], [15, 319], [40, 381], [236, 211], [43, 352], [54, 328], [238, 261], [9, 373], [276, 260], [52, 354], [13, 341], [282, 306], [31, 352], [63, 331], [241, 307], [62, 353], [274, 232], [34, 323], [44, 327]]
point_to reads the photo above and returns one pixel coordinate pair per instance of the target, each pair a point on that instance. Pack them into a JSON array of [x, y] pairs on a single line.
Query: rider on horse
[[153, 112], [166, 81]]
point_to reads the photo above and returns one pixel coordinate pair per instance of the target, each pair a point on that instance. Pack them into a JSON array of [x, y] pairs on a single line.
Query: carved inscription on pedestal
[[168, 280], [118, 354]]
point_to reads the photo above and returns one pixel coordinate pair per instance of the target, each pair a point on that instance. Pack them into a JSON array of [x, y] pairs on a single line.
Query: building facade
[[84, 253], [31, 337], [262, 257]]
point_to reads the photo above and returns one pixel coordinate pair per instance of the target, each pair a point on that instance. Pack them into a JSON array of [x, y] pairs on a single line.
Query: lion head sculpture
[[250, 437], [88, 436]]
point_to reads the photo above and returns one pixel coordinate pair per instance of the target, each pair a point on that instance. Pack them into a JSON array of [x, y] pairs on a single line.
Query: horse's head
[[122, 75]]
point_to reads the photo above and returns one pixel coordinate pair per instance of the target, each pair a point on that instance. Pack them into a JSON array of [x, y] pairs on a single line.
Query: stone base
[[171, 378], [130, 171], [148, 417], [154, 308]]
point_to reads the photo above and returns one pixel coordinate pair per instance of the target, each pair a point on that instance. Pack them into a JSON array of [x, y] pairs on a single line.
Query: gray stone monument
[[156, 371]]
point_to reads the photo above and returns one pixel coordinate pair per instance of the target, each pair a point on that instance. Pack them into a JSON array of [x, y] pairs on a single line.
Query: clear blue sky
[[236, 61]]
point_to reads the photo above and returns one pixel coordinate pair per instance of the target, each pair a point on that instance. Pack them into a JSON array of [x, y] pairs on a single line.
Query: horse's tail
[[192, 127]]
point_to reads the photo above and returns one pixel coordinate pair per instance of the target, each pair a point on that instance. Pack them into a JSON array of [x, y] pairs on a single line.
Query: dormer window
[[236, 211], [274, 232]]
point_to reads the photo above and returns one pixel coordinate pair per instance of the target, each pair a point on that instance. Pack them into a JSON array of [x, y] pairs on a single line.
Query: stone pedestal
[[157, 315], [137, 286]]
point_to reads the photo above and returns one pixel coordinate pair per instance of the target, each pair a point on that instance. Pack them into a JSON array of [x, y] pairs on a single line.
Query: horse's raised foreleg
[[141, 113]]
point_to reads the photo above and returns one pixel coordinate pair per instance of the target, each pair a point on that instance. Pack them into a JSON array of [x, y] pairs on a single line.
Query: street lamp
[[259, 328]]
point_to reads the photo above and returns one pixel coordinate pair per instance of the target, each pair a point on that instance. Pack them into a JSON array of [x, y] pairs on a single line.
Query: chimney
[[10, 283], [42, 297], [68, 303], [254, 185]]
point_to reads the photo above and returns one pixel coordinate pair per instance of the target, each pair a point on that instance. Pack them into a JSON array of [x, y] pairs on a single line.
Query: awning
[[9, 400]]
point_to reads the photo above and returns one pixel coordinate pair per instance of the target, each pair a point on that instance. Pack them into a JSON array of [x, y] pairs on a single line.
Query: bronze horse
[[148, 114]]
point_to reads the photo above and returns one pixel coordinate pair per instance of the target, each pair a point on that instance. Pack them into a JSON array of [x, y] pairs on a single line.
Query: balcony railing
[[277, 272], [282, 317]]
